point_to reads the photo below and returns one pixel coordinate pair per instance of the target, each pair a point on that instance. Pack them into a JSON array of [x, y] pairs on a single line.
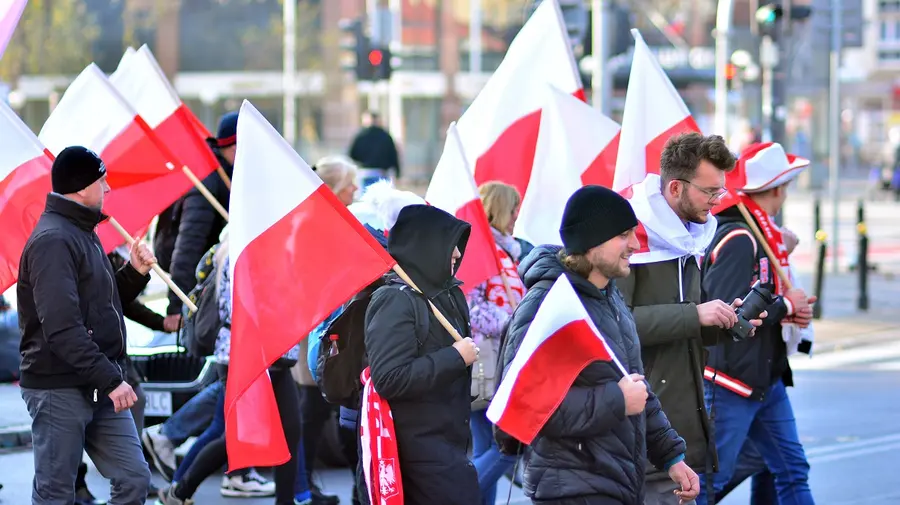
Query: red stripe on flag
[[23, 194], [656, 146], [286, 281], [480, 262], [141, 184], [546, 377], [641, 234], [179, 133], [511, 157], [603, 168]]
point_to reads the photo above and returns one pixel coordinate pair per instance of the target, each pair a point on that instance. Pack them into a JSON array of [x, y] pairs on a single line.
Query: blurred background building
[[218, 52]]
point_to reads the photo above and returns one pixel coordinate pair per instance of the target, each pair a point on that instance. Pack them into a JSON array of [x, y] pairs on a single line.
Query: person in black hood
[[415, 364], [194, 225], [591, 451], [73, 339]]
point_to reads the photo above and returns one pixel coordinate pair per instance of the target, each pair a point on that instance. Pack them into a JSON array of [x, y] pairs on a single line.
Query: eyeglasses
[[714, 194]]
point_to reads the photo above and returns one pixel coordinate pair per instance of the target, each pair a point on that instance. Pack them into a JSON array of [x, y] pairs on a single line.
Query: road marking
[[848, 450], [843, 446]]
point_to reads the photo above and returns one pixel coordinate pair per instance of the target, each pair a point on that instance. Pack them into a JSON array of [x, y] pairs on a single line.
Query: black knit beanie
[[74, 169], [593, 215]]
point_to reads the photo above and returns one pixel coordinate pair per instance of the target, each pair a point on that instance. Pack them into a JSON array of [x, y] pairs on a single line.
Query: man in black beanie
[[616, 421], [73, 340]]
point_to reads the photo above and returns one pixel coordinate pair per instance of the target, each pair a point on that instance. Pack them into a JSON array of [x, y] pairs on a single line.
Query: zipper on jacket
[[112, 294], [681, 263]]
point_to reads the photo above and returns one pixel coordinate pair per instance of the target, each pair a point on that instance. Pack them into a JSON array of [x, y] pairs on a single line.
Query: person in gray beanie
[[591, 450], [73, 340]]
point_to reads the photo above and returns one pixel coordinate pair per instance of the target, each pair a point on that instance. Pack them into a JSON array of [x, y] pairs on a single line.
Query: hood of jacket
[[543, 263], [422, 242]]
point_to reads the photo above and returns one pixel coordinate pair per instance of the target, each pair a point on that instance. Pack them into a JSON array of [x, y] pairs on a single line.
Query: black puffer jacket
[[199, 226], [70, 303], [419, 373], [589, 448]]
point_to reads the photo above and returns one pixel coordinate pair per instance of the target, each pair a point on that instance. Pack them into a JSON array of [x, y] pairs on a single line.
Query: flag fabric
[[24, 184], [378, 447], [452, 189], [296, 254], [10, 13], [93, 114], [654, 112], [560, 343], [499, 130], [576, 146], [662, 234], [140, 80]]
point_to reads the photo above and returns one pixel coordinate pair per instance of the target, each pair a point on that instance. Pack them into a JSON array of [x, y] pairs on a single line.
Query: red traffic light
[[376, 57], [730, 71]]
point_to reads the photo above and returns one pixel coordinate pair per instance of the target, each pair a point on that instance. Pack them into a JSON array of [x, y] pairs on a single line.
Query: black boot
[[320, 498]]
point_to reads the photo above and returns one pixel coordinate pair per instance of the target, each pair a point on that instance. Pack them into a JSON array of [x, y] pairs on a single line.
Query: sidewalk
[[841, 327]]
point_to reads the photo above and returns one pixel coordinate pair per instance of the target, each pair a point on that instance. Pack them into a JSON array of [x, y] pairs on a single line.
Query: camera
[[753, 305]]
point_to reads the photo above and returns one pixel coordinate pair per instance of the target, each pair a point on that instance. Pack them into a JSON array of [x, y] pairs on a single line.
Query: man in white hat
[[746, 380]]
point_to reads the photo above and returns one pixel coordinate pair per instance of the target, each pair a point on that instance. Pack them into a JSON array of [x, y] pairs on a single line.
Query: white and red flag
[[24, 184], [560, 343], [296, 254], [10, 13], [140, 80], [576, 146], [93, 114], [499, 130], [452, 189], [654, 112]]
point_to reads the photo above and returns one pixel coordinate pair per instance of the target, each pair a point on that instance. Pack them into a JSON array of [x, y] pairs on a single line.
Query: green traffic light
[[768, 14]]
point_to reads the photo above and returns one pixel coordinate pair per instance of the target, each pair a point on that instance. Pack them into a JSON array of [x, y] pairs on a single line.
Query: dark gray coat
[[589, 448]]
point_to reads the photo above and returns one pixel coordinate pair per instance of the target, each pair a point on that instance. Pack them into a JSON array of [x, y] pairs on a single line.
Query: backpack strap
[[422, 314]]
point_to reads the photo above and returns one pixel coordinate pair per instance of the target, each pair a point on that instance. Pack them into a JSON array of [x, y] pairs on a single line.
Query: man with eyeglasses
[[663, 291]]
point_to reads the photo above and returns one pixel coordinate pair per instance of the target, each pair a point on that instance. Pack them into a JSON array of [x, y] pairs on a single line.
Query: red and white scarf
[[662, 234], [380, 457], [791, 333]]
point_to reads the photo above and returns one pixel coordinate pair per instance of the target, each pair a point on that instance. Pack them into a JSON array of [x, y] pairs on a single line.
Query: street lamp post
[[289, 77]]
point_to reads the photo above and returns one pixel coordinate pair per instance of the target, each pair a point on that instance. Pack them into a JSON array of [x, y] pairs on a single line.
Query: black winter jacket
[[422, 377], [589, 448], [733, 262], [199, 226], [70, 303]]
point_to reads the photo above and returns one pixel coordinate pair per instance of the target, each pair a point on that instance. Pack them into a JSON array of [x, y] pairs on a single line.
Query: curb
[[15, 437], [879, 337]]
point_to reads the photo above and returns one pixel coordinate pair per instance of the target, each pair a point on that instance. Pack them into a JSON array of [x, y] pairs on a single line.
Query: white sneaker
[[245, 486], [161, 451]]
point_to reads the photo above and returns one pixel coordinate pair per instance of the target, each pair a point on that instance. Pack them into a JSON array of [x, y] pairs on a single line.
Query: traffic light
[[379, 60], [355, 47], [769, 14]]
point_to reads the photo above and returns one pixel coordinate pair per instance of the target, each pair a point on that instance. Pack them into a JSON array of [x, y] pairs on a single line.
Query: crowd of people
[[659, 275]]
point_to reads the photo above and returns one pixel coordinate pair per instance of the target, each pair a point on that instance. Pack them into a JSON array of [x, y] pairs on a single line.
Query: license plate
[[159, 403]]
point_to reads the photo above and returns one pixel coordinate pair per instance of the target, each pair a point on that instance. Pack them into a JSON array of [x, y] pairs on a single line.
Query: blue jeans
[[751, 465], [65, 423], [489, 462], [194, 416], [215, 431], [771, 426]]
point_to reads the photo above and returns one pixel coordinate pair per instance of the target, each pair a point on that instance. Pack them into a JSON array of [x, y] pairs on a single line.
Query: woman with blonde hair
[[338, 173], [489, 308]]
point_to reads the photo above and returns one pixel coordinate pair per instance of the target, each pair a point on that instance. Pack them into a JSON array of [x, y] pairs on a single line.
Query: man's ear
[[674, 188]]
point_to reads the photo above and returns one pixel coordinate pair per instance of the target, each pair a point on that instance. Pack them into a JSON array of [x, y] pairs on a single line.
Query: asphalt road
[[847, 405]]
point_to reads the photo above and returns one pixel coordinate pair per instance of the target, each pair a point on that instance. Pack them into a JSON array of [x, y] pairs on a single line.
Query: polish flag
[[499, 130], [140, 80], [452, 189], [93, 114], [560, 343], [24, 184], [654, 112], [577, 145], [283, 285]]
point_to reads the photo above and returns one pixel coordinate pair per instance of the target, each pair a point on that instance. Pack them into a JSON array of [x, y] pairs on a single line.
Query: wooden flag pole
[[205, 192], [437, 313], [509, 293], [773, 260], [224, 176], [156, 268]]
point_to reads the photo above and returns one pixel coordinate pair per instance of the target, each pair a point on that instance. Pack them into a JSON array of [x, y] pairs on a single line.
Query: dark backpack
[[201, 328], [508, 444], [338, 376]]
